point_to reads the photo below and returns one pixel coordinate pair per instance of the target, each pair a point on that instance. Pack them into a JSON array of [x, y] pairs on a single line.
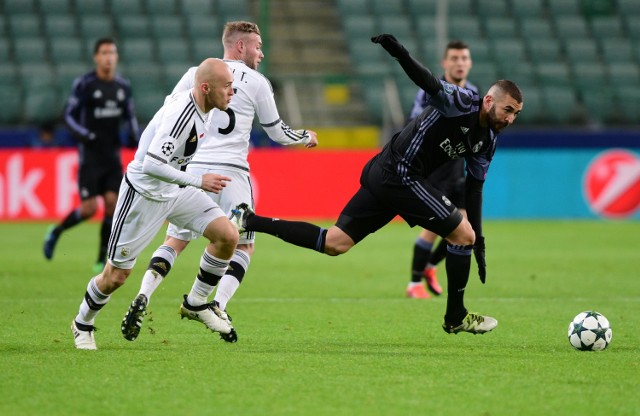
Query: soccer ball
[[590, 331]]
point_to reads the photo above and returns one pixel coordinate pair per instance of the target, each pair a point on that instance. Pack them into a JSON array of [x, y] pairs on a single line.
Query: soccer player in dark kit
[[448, 178], [457, 123], [99, 103]]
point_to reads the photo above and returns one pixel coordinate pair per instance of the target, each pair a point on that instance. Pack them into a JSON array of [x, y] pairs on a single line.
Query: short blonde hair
[[232, 29]]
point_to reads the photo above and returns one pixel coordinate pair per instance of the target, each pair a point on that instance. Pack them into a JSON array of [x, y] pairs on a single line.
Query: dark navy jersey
[[448, 129], [422, 99], [94, 113]]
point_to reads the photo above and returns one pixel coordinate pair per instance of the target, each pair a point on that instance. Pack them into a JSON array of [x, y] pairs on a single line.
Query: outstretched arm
[[417, 72], [273, 125]]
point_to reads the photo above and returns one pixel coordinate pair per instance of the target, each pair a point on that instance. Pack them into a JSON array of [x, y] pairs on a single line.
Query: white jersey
[[166, 146], [228, 143]]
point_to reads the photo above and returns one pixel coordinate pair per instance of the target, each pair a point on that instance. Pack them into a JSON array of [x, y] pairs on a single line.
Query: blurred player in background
[[457, 123], [156, 188], [226, 154], [99, 103], [449, 178]]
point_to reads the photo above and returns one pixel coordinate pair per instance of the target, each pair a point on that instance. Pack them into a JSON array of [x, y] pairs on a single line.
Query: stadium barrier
[[522, 183]]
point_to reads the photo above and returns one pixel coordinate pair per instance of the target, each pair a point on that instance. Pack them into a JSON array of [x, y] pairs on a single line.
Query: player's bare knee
[[463, 235], [176, 244], [120, 278], [227, 236], [114, 277], [247, 248], [336, 248], [337, 242]]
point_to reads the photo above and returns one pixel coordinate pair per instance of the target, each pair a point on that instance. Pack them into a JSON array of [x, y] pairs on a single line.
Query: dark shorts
[[378, 201], [449, 179], [94, 180]]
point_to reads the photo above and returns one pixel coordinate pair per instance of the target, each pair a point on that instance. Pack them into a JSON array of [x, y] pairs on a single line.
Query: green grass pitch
[[331, 336]]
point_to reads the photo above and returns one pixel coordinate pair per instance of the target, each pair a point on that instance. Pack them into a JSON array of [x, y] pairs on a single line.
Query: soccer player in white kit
[[226, 155], [156, 188]]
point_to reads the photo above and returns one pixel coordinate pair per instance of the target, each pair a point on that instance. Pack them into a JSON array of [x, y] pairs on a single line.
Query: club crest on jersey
[[167, 148], [124, 251], [97, 94], [446, 201], [448, 88], [477, 147], [120, 94]]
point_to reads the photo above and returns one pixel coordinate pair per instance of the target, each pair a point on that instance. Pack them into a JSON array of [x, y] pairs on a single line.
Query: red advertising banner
[[304, 183]]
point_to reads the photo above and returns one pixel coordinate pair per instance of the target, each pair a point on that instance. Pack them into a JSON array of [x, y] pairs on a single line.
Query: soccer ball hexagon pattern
[[590, 331]]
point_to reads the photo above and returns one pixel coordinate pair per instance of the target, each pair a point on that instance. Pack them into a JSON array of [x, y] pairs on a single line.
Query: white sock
[[226, 289], [159, 266], [150, 282], [229, 283], [87, 315], [200, 292], [211, 269]]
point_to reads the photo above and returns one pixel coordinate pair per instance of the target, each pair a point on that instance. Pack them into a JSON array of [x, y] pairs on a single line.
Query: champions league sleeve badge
[[167, 148]]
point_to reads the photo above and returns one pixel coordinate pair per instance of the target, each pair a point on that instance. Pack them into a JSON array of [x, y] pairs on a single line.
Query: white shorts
[[237, 191], [137, 220]]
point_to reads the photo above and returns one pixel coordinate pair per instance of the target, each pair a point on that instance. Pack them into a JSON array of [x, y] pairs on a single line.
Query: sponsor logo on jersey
[[181, 160], [612, 183], [109, 110], [450, 150], [464, 130], [167, 148]]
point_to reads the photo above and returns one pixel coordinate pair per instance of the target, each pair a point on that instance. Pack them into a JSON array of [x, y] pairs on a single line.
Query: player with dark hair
[[99, 103], [457, 123], [449, 178]]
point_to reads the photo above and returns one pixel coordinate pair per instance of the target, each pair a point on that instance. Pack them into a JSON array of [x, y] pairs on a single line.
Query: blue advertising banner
[[563, 183]]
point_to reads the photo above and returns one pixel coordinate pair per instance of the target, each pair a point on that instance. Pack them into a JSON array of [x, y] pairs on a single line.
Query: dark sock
[[458, 265], [209, 278], [439, 253], [160, 266], [70, 220], [421, 255], [236, 270], [105, 232], [301, 234]]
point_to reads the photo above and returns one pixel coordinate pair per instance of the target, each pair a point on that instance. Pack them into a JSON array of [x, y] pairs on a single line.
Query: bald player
[[155, 189]]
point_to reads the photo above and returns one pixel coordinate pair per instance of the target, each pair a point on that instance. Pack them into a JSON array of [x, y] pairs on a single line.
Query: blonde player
[[227, 155], [156, 188]]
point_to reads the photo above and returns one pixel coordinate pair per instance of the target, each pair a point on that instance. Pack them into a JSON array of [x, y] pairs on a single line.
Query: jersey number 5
[[232, 122]]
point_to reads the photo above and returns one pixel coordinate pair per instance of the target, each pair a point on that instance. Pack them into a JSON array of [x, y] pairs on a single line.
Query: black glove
[[478, 252], [390, 44]]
